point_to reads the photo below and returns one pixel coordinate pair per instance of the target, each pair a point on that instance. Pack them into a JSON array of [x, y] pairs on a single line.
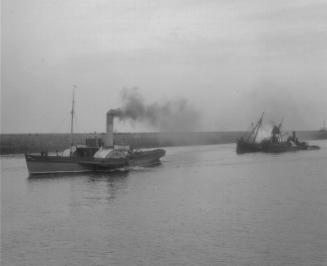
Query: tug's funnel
[[109, 138]]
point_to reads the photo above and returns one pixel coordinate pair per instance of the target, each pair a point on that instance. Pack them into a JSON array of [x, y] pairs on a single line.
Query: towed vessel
[[95, 155], [274, 143]]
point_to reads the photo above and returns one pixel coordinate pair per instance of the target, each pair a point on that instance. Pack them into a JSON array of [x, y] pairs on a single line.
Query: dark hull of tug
[[268, 147], [37, 164]]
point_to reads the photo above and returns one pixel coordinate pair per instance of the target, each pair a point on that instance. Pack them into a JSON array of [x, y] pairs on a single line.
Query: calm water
[[204, 205]]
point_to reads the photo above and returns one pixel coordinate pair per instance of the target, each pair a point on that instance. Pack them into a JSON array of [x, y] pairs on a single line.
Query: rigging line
[[249, 130], [258, 127]]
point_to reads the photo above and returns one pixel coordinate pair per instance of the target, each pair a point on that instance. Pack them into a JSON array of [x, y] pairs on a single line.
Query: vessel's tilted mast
[[72, 121], [258, 127], [255, 130]]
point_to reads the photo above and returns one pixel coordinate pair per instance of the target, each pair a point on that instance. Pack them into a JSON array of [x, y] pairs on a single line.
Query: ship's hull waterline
[[54, 164], [267, 147], [37, 164]]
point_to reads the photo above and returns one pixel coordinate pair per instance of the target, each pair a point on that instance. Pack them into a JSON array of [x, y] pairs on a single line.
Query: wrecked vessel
[[273, 144]]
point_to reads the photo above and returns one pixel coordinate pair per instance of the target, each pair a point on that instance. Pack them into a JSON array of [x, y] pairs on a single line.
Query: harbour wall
[[21, 143]]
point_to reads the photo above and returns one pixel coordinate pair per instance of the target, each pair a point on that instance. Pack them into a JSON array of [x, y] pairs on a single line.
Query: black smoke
[[175, 115]]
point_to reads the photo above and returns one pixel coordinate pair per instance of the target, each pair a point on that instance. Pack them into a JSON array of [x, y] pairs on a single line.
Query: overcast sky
[[230, 59]]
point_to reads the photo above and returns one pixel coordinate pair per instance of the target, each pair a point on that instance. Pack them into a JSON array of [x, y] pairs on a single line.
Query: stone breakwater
[[21, 143]]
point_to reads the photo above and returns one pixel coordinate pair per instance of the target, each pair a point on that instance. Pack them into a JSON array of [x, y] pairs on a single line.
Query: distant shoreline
[[36, 142]]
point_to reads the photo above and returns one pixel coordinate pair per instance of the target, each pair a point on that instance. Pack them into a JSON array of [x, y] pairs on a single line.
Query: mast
[[72, 112], [257, 127]]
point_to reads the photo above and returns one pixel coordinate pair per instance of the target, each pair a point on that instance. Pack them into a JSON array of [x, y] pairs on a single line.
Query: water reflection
[[93, 175], [115, 181], [49, 177], [87, 183]]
